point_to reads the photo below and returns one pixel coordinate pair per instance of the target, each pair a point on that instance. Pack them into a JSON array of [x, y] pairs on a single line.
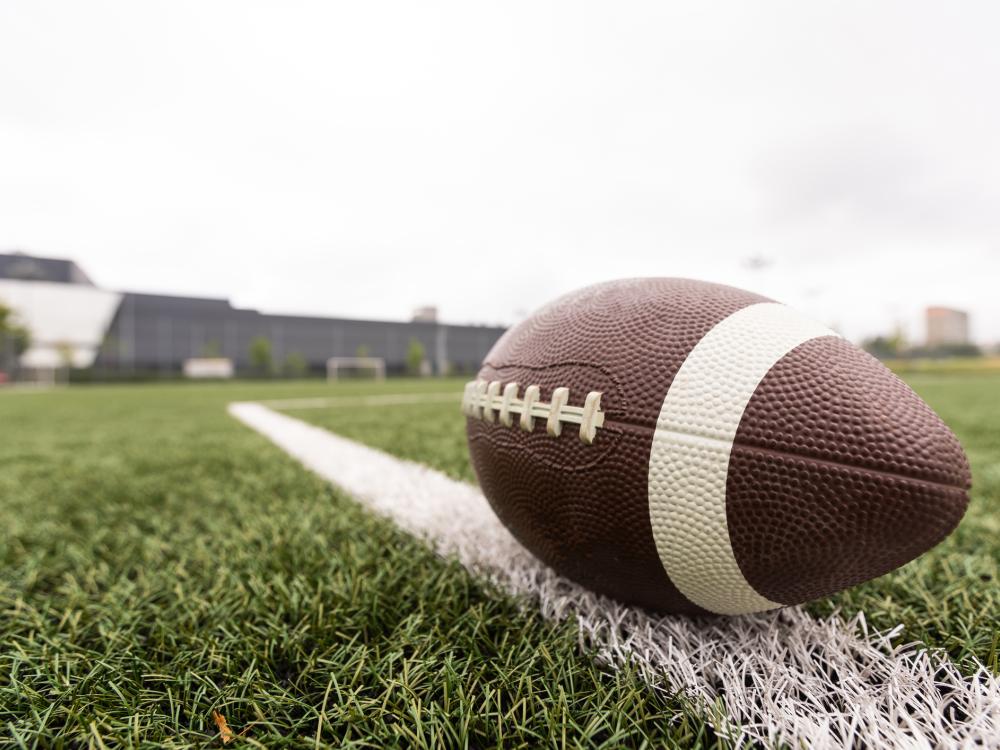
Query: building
[[63, 310], [73, 321], [946, 327], [426, 314], [28, 268]]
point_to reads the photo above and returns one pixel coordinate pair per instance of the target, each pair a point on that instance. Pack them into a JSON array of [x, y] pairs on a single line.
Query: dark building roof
[[29, 268]]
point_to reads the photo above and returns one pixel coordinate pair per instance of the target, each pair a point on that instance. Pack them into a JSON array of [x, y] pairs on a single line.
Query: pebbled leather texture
[[689, 461], [840, 473], [584, 510]]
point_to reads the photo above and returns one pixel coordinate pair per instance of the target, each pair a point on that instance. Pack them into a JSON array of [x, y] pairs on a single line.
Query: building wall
[[157, 333], [66, 321], [148, 333], [946, 326]]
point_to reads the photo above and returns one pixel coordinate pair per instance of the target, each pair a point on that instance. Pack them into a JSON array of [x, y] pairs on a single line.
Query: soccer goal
[[336, 367]]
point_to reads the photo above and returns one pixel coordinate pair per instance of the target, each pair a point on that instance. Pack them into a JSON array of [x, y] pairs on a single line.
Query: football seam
[[611, 424], [825, 462], [507, 447]]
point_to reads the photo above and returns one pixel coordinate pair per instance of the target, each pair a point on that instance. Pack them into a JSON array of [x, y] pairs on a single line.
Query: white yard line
[[825, 683], [388, 399]]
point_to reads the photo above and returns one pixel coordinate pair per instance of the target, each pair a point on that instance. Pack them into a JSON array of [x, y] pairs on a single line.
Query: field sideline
[[162, 561]]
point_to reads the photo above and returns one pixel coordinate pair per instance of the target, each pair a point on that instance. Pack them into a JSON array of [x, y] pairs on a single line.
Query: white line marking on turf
[[388, 399], [779, 675]]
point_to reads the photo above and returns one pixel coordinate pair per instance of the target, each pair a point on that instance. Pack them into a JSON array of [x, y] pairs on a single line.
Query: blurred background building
[[75, 324], [947, 327], [425, 314]]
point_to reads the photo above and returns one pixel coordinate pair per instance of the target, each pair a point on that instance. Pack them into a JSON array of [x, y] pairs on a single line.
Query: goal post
[[335, 365]]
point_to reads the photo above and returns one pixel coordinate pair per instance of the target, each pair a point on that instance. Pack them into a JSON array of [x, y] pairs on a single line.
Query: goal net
[[353, 367]]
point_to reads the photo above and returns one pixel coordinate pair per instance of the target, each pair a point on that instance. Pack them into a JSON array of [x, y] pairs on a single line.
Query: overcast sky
[[361, 159]]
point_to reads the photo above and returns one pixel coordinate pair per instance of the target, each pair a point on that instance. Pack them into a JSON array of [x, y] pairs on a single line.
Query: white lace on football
[[482, 398]]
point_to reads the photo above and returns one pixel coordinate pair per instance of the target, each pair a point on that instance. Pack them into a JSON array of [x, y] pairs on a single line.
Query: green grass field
[[161, 561]]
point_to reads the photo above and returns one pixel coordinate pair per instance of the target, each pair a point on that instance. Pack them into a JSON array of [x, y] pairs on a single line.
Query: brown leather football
[[691, 447]]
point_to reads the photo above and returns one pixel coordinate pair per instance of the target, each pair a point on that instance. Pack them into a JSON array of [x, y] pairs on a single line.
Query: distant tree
[[261, 359], [211, 349], [965, 350], [880, 346], [14, 340], [362, 351], [296, 365], [898, 342], [943, 351], [65, 350], [12, 333], [891, 346], [415, 355]]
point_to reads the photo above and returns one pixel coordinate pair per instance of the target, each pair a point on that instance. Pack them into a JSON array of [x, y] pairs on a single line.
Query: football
[[693, 448]]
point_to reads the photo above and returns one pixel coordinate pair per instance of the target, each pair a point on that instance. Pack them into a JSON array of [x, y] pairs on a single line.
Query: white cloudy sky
[[360, 159]]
